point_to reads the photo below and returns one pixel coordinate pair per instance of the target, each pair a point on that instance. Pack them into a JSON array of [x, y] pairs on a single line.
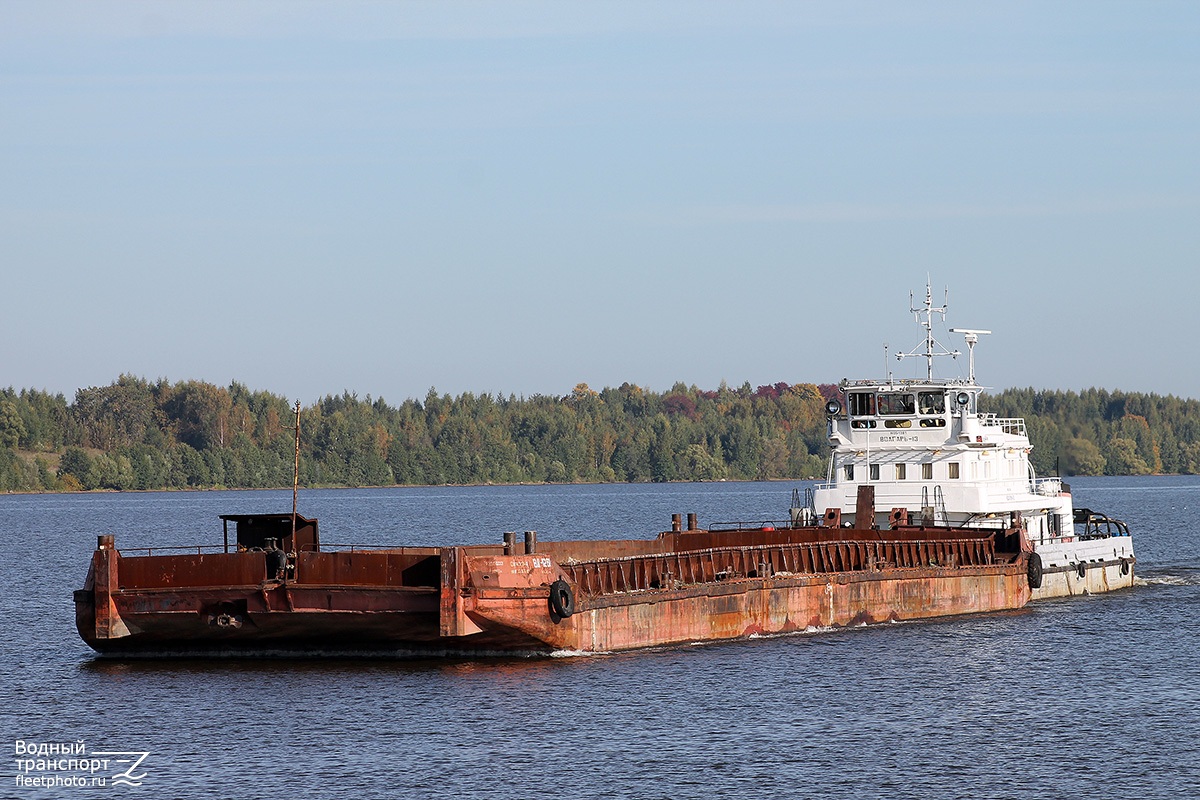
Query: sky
[[313, 198]]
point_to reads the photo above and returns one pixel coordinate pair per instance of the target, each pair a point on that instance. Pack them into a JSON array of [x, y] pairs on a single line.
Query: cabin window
[[933, 422], [953, 467], [896, 403], [931, 402], [901, 471], [927, 471], [863, 423], [898, 423], [862, 404], [874, 472], [848, 470]]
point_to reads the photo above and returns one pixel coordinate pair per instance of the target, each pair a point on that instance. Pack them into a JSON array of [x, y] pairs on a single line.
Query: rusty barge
[[274, 589]]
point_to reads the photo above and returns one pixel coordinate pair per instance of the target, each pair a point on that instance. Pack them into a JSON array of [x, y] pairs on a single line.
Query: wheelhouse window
[[953, 467], [874, 472], [927, 471], [901, 471], [848, 471], [895, 403], [931, 402], [862, 404]]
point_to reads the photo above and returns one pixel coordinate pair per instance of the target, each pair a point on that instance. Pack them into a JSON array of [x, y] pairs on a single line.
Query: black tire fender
[[562, 600], [1033, 571]]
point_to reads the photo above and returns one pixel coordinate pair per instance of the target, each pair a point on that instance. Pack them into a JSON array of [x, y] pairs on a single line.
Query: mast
[[296, 474], [932, 347]]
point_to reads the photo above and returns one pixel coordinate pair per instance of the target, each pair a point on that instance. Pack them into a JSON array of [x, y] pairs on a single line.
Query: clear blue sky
[[517, 197]]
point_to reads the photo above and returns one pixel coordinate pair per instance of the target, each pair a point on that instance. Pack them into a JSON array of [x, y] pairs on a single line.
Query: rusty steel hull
[[769, 606], [688, 586], [386, 620], [231, 621]]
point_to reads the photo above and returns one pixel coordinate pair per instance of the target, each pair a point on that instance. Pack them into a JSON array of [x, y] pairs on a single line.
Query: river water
[[1085, 697]]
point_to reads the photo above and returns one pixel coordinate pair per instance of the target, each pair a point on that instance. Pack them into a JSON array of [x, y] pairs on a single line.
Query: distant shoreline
[[202, 489]]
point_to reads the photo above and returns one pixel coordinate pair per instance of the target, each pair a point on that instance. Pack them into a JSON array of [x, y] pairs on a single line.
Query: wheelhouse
[[901, 407]]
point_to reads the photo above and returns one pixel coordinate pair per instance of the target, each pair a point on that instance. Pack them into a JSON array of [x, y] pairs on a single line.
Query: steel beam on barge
[[452, 618]]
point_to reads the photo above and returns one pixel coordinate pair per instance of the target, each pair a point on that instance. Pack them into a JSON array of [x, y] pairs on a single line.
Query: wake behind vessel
[[928, 451]]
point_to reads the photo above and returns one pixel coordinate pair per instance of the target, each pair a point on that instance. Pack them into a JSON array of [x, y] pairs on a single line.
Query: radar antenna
[[932, 347], [971, 337]]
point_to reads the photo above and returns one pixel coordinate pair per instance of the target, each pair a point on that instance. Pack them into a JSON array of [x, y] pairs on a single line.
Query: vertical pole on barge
[[296, 474]]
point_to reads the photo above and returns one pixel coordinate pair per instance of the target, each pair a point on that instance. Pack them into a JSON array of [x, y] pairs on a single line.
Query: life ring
[[1033, 570], [562, 601]]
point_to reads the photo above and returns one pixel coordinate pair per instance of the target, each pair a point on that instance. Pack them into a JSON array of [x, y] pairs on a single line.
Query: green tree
[[1083, 458], [76, 463], [1122, 457], [117, 415], [201, 414], [12, 429], [702, 465]]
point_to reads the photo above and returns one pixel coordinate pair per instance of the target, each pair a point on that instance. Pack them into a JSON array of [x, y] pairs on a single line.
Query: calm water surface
[[1090, 697]]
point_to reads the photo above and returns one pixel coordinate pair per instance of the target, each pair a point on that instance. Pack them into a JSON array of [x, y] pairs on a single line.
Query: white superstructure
[[932, 457]]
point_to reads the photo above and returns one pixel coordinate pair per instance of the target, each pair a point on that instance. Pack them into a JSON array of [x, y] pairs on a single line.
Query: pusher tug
[[925, 449]]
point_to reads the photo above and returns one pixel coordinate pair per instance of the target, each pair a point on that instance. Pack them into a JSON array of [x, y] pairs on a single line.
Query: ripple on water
[[1077, 697]]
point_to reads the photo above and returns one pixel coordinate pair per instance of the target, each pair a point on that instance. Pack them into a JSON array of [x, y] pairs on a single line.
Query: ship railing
[[1098, 526], [1049, 487], [188, 549], [366, 548], [690, 568], [1014, 426], [201, 549], [766, 525]]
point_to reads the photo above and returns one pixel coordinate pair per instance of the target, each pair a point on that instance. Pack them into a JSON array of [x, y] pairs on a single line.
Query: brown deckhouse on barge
[[275, 590]]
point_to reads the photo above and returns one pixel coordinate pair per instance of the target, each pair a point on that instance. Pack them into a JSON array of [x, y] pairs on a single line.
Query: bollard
[[692, 521], [106, 541], [510, 543], [676, 523], [530, 542]]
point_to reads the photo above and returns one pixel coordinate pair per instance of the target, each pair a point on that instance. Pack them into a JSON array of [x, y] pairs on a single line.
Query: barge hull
[[479, 600], [773, 606]]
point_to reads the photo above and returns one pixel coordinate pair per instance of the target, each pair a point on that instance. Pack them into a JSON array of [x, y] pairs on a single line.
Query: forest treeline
[[138, 434]]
